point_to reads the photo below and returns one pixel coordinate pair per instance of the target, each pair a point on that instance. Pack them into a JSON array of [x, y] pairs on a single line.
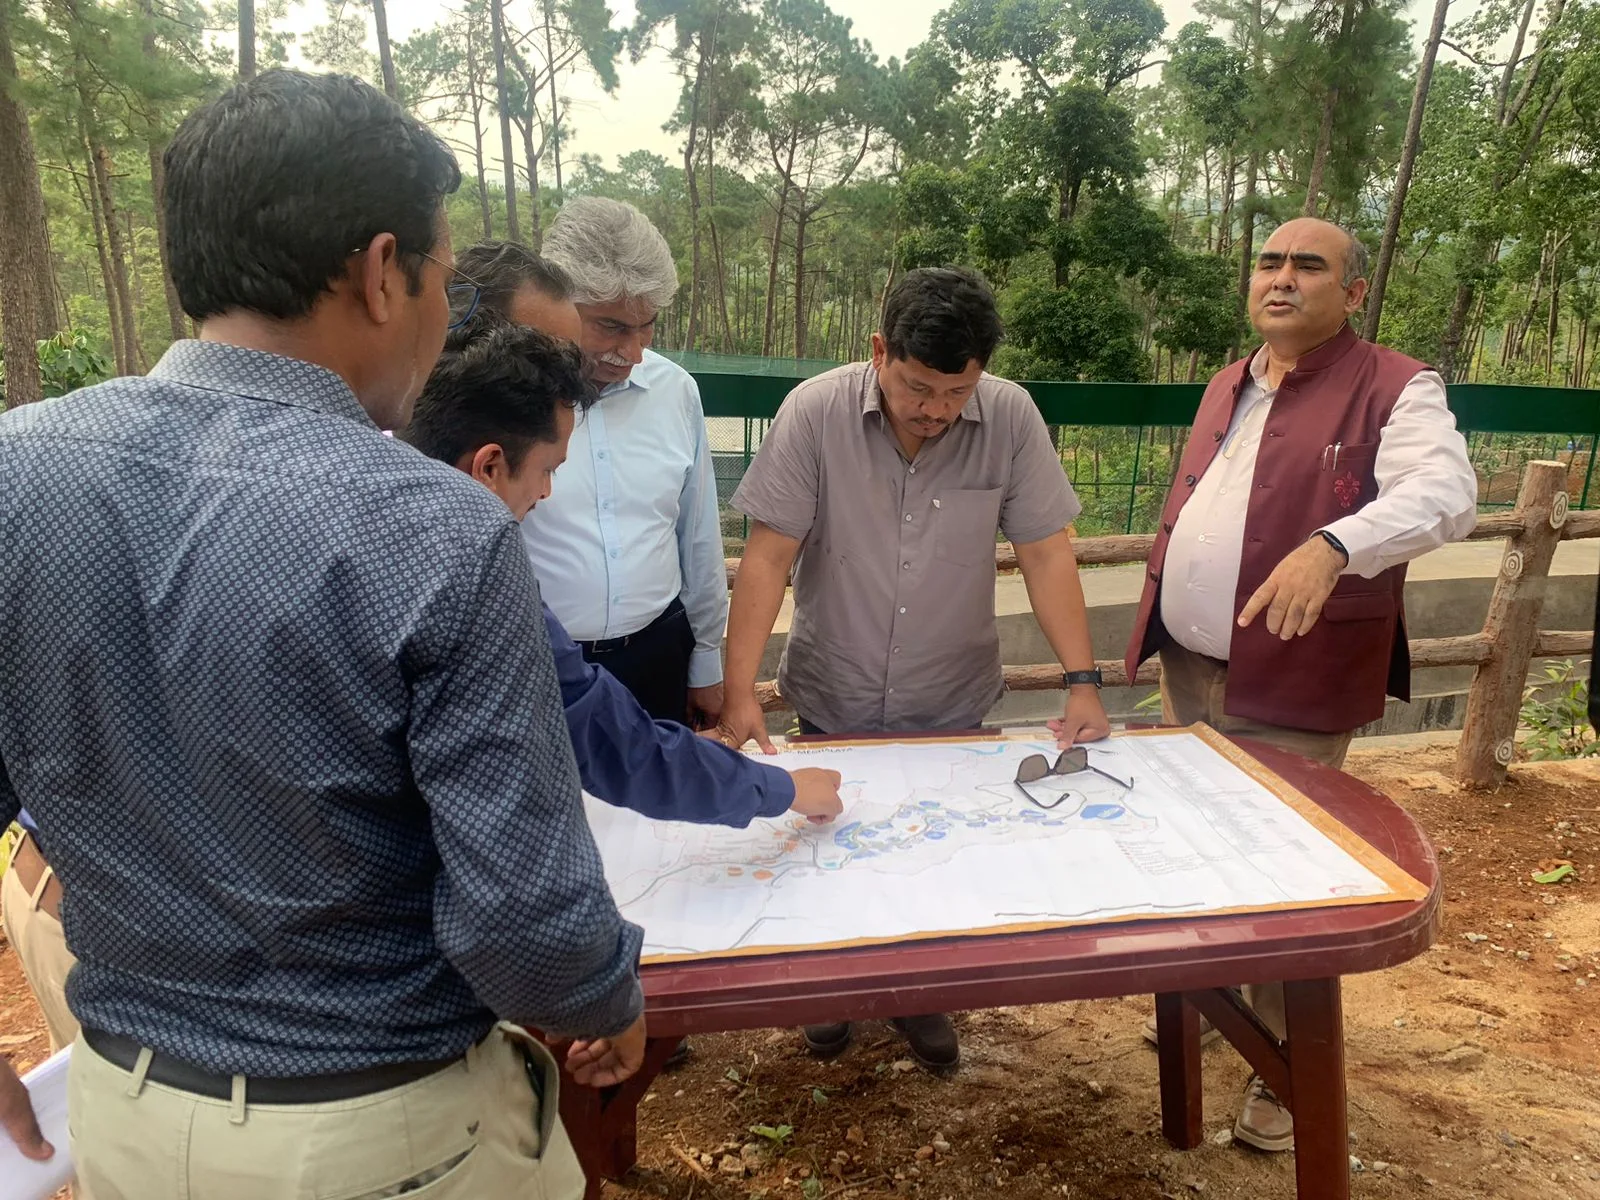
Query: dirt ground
[[1474, 1071]]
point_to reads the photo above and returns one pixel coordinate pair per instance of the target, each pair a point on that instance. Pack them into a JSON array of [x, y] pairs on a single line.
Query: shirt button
[[1222, 491], [891, 691], [613, 554], [1189, 480], [905, 566], [902, 608], [896, 650], [1202, 537], [599, 453], [1194, 629], [908, 516], [913, 470]]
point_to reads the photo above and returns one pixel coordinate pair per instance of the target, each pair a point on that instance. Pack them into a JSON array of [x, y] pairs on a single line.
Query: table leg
[[1178, 1051], [602, 1121], [1314, 1019]]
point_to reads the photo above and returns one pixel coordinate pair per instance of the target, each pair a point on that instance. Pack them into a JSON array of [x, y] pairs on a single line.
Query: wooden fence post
[[1488, 738]]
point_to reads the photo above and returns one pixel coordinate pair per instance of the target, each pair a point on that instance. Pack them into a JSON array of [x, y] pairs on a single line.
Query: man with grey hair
[[1318, 467], [629, 548]]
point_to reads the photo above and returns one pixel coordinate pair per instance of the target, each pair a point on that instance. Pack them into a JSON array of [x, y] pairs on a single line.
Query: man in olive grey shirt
[[889, 481]]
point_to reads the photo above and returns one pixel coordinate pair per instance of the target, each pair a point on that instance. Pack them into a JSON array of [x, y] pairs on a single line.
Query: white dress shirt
[[1427, 496], [631, 522]]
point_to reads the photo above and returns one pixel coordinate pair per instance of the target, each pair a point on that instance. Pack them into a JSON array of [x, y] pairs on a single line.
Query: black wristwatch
[[1335, 543], [1072, 678]]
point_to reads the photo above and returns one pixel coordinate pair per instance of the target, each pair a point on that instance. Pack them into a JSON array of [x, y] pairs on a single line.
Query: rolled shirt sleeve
[[1039, 500], [705, 571], [521, 906], [780, 487], [1427, 489]]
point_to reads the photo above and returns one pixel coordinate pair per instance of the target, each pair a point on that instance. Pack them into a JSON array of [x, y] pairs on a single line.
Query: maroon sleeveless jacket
[[1334, 678]]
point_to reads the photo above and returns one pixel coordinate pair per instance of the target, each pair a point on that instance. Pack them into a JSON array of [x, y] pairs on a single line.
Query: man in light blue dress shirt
[[629, 548]]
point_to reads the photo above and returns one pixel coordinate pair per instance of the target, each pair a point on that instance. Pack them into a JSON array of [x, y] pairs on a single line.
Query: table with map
[[937, 840]]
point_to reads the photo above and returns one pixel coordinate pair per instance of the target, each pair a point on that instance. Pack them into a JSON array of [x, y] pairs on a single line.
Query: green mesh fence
[[1120, 442]]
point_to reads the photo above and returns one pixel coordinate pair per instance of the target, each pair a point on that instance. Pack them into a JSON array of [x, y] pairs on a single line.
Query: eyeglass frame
[[464, 282], [1055, 769]]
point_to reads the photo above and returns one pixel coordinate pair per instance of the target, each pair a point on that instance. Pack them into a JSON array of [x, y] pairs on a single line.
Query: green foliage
[[1555, 712], [776, 1136], [70, 361], [1085, 330], [67, 361]]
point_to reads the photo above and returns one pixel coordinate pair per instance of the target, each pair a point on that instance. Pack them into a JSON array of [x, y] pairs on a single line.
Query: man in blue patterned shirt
[[277, 694]]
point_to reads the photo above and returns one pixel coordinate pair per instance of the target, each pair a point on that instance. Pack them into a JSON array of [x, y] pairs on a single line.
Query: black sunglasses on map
[[1072, 761]]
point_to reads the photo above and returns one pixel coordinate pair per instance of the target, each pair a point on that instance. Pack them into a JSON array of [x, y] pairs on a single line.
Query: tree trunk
[[1330, 104], [1474, 253], [772, 255], [247, 39], [380, 23], [1319, 160], [690, 146], [802, 215], [477, 138], [158, 190], [119, 347], [27, 308], [531, 158], [100, 159], [1402, 179], [497, 29], [1247, 239], [555, 103]]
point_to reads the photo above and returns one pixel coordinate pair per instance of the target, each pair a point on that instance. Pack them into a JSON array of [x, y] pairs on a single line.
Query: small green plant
[[819, 1096], [1558, 723], [70, 361], [776, 1136], [811, 1188], [1150, 704]]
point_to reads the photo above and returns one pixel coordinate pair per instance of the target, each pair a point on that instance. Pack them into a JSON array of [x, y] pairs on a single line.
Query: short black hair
[[271, 186], [497, 382], [944, 317], [502, 269]]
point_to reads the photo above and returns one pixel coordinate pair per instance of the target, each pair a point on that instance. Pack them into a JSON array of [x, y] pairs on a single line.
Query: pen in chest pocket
[[1332, 450]]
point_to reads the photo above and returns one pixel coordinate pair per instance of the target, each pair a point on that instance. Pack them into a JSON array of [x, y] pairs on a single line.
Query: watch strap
[[1073, 678]]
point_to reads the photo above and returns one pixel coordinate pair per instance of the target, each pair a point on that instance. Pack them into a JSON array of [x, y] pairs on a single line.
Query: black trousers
[[653, 663], [807, 727]]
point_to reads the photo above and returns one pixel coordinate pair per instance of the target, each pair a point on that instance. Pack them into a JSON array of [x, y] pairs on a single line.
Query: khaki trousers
[[37, 938], [1192, 689], [473, 1131]]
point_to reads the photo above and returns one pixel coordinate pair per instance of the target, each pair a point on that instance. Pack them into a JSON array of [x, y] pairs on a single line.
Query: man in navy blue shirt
[[277, 695], [500, 406]]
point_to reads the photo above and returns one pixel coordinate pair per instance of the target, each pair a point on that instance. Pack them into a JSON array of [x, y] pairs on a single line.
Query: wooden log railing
[[1501, 652]]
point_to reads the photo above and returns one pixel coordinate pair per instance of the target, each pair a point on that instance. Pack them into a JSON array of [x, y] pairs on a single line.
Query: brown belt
[[31, 867]]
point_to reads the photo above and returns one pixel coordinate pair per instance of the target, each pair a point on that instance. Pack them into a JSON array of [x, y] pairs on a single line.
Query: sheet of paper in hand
[[942, 838]]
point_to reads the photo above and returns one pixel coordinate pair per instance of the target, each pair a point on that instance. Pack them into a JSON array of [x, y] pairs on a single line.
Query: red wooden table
[[1191, 965]]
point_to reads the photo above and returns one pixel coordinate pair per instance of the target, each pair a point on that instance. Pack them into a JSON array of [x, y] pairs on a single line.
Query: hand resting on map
[[16, 1116], [1083, 720]]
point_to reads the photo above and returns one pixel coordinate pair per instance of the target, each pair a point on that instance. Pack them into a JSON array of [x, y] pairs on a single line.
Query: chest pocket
[[964, 526], [1347, 478]]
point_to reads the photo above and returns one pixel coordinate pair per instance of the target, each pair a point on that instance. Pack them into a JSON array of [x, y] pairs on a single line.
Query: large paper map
[[937, 839]]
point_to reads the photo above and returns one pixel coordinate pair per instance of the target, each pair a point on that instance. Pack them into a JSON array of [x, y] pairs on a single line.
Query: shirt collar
[[872, 397], [219, 367], [637, 378]]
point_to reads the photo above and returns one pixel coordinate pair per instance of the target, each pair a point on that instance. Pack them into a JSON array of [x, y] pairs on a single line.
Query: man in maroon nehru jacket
[[1317, 468]]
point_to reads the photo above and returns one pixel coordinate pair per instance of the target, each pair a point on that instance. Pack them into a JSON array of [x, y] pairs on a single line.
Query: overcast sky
[[630, 118]]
